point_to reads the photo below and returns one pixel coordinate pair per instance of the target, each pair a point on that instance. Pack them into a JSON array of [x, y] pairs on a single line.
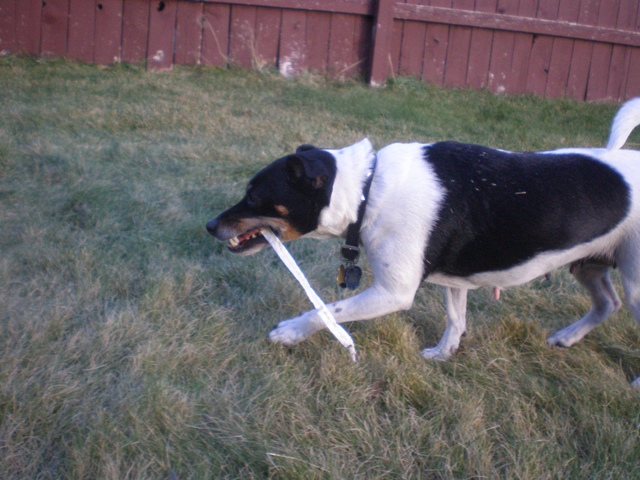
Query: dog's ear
[[308, 168], [305, 148]]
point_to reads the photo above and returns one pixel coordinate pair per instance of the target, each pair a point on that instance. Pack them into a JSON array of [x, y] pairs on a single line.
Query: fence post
[[381, 42]]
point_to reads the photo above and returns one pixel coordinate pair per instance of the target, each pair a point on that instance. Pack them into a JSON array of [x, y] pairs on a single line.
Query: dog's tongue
[[248, 235]]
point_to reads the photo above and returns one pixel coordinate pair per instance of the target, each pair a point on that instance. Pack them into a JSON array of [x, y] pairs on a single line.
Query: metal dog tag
[[352, 277], [340, 278]]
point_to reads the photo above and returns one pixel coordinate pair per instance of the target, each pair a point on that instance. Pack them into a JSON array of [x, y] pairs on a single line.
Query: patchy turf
[[132, 345]]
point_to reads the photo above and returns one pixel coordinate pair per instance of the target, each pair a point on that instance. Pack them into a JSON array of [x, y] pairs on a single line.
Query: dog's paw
[[636, 383], [437, 354], [290, 332], [564, 338]]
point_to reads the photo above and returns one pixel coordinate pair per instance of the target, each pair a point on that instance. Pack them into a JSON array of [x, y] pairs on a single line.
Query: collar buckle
[[350, 253]]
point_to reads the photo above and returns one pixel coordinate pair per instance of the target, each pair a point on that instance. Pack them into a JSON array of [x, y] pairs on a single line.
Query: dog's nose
[[212, 226]]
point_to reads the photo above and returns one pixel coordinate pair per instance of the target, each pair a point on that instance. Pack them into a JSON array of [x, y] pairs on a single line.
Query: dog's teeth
[[234, 242]]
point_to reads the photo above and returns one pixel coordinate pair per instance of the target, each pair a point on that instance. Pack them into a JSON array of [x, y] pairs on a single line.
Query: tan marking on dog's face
[[282, 210]]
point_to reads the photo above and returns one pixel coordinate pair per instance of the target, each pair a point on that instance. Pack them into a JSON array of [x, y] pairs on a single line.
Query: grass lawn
[[133, 345]]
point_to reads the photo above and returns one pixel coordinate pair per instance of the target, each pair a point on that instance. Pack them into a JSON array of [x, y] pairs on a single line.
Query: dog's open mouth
[[248, 241]]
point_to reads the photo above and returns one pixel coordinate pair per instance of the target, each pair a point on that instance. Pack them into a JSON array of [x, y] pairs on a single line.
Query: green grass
[[132, 345]]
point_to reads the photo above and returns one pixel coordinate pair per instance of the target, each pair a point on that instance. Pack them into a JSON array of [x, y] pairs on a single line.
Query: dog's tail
[[627, 118]]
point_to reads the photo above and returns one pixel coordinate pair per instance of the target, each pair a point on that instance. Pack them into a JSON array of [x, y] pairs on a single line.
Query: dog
[[458, 215]]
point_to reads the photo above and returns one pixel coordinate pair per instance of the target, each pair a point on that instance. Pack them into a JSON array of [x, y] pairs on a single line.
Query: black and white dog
[[457, 215]]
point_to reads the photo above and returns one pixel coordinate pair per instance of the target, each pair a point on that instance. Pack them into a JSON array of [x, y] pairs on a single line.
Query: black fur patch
[[501, 209]]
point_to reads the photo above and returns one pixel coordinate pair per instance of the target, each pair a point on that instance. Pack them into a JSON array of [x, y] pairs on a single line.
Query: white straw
[[338, 331]]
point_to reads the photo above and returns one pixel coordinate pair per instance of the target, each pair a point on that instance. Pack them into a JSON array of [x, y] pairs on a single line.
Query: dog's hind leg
[[456, 306], [629, 266], [595, 278]]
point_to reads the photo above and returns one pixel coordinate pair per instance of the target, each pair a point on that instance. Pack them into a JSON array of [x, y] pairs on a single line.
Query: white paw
[[564, 338], [438, 354], [290, 332], [636, 383]]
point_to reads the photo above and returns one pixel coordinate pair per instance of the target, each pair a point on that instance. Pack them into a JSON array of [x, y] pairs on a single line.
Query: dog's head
[[287, 196]]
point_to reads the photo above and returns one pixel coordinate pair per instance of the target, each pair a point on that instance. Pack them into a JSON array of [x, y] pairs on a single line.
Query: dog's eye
[[252, 200]]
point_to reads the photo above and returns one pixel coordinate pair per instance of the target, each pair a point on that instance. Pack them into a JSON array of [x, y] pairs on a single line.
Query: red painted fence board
[[215, 35], [188, 33], [601, 58], [458, 53], [343, 53], [502, 52], [292, 41], [135, 30], [621, 53], [242, 39], [480, 49], [318, 30], [55, 23], [267, 36], [28, 26], [8, 18], [517, 79], [81, 30], [108, 32], [583, 49], [162, 21]]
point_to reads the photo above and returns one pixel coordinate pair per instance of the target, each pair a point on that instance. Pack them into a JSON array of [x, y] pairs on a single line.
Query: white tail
[[627, 118]]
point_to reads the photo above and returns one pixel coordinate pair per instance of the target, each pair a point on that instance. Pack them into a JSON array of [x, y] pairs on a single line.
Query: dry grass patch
[[134, 346]]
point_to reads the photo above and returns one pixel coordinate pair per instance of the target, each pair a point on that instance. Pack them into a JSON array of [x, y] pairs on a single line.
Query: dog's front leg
[[456, 306], [375, 301]]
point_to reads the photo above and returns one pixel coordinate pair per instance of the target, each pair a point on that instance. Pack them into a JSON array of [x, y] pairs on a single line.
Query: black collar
[[351, 250]]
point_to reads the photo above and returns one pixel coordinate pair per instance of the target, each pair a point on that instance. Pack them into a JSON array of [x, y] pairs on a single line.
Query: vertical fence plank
[[55, 22], [480, 49], [267, 36], [561, 53], [383, 39], [292, 42], [620, 55], [28, 26], [108, 32], [502, 50], [81, 30], [135, 30], [396, 46], [541, 51], [8, 25], [162, 21], [188, 33], [458, 53], [343, 57], [215, 35], [242, 35], [581, 56], [412, 49], [601, 57], [522, 46], [317, 41], [632, 85], [435, 50]]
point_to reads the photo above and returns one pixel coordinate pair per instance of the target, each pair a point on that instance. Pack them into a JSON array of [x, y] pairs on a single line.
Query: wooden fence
[[582, 49]]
